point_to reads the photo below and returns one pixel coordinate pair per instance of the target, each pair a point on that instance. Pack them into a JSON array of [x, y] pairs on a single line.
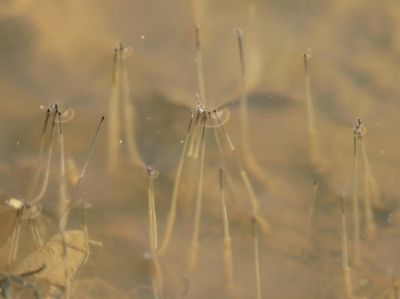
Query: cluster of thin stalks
[[316, 160], [370, 191], [30, 208], [121, 113], [195, 145]]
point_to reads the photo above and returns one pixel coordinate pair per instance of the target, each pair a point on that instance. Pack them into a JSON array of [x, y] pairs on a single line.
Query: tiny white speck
[[18, 143], [182, 141], [142, 37], [41, 107], [120, 141]]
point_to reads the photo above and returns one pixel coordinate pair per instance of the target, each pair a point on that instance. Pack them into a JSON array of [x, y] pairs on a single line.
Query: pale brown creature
[[60, 267]]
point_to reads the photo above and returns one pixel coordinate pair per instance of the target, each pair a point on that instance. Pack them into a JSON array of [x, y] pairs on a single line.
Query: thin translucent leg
[[91, 149], [228, 259], [114, 122], [348, 286], [195, 136], [311, 210], [256, 258], [227, 174], [45, 182], [246, 152], [172, 211], [369, 190], [193, 253], [199, 67], [153, 232], [356, 213], [315, 157], [63, 197], [37, 238], [40, 156], [255, 206], [12, 256], [129, 116]]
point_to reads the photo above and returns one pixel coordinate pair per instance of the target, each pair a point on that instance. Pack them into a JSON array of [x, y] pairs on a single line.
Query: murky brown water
[[53, 52]]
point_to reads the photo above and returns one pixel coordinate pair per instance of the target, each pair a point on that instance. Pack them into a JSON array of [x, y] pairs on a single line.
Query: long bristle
[[12, 254], [153, 234], [227, 175], [256, 258], [199, 67], [193, 251], [63, 197], [129, 114], [246, 151], [114, 120], [174, 200], [254, 203], [195, 137], [356, 213], [315, 157], [369, 187], [37, 238], [156, 273], [228, 256], [348, 286], [46, 174], [91, 149], [40, 155], [311, 210]]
